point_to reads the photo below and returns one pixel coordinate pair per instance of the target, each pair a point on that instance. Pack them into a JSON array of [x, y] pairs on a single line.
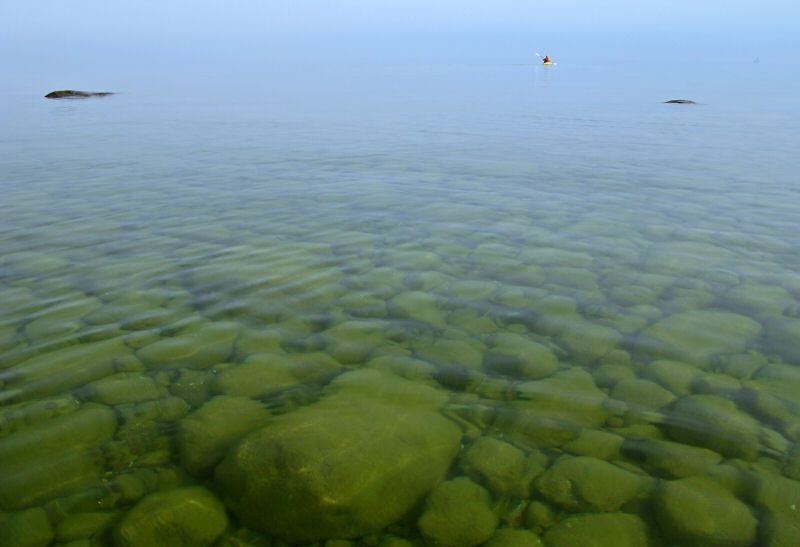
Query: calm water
[[407, 299]]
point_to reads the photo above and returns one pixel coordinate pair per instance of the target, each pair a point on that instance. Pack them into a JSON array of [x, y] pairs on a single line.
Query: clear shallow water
[[576, 304]]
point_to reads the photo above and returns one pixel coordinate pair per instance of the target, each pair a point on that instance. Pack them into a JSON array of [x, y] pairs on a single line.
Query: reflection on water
[[276, 335]]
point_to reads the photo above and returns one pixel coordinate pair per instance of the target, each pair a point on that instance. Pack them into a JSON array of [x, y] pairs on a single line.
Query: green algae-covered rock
[[458, 513], [123, 388], [346, 466], [595, 443], [30, 481], [29, 528], [418, 306], [68, 368], [642, 394], [676, 376], [781, 335], [608, 374], [589, 341], [508, 537], [198, 347], [603, 530], [548, 256], [84, 525], [684, 257], [777, 494], [461, 352], [351, 342], [780, 530], [570, 396], [696, 336], [669, 459], [520, 357], [566, 276], [585, 484], [496, 464], [405, 367], [183, 517], [698, 512], [759, 299], [88, 426], [261, 374], [205, 435], [715, 423]]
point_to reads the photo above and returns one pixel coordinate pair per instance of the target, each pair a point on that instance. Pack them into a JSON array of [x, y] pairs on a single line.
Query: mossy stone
[[68, 368], [780, 530], [199, 347], [642, 394], [587, 341], [586, 484], [183, 517], [404, 366], [777, 494], [595, 443], [697, 512], [349, 465], [463, 353], [697, 336], [458, 513], [520, 357], [780, 337], [497, 465], [759, 299], [29, 528], [600, 530], [716, 423], [686, 257], [607, 375], [205, 435], [508, 537], [351, 342], [260, 374], [84, 525], [418, 306], [669, 459], [676, 376], [123, 388], [570, 395], [716, 384]]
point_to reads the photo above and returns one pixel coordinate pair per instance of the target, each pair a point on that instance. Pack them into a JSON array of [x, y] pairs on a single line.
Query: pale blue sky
[[101, 18]]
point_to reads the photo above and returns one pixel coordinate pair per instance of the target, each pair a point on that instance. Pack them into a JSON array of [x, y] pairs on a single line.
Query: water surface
[[574, 304]]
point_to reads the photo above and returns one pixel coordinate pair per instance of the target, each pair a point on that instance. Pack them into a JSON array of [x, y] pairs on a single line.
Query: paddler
[[546, 59]]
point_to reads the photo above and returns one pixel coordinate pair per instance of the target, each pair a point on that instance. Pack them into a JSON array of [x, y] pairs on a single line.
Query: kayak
[[548, 63]]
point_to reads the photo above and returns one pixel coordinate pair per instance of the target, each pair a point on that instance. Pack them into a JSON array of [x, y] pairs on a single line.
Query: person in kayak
[[546, 59]]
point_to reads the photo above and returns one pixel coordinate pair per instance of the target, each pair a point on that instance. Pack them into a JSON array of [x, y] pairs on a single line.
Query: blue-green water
[[419, 300]]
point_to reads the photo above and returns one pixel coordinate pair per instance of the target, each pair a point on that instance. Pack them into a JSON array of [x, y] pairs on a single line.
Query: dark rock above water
[[679, 101], [72, 94]]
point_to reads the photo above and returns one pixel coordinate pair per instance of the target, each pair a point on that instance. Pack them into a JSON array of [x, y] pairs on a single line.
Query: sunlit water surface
[[284, 309]]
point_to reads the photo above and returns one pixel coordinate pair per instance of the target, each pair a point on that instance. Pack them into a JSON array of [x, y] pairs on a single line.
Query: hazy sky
[[86, 18]]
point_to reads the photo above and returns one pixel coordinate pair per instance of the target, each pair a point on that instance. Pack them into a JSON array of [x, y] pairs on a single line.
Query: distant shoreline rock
[[72, 94], [679, 101]]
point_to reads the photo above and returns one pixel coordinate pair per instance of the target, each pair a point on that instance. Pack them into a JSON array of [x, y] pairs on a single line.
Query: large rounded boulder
[[359, 459]]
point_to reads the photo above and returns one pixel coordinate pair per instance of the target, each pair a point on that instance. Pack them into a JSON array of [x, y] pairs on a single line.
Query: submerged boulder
[[458, 514], [585, 484], [696, 336], [698, 512], [183, 517], [617, 529], [716, 423], [349, 465]]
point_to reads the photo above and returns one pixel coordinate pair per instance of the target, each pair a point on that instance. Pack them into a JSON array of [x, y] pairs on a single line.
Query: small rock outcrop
[[73, 94], [679, 101]]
